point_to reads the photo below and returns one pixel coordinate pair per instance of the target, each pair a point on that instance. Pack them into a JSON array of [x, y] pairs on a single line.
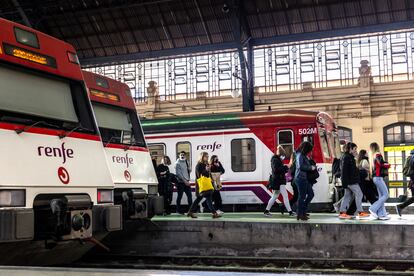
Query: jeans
[[207, 196], [408, 202], [182, 188], [305, 196], [350, 192], [276, 194], [379, 206], [216, 198]]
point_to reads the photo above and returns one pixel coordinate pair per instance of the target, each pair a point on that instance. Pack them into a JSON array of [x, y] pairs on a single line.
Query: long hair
[[201, 158], [375, 149], [361, 156], [166, 160], [281, 150], [305, 147], [212, 158]]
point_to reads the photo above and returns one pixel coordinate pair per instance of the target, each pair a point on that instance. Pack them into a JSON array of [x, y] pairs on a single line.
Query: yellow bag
[[204, 184]]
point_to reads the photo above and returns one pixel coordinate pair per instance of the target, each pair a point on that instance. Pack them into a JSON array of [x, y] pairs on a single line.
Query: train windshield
[[37, 99], [323, 138], [118, 126]]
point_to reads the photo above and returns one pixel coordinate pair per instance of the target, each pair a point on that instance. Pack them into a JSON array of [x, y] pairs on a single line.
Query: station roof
[[108, 31]]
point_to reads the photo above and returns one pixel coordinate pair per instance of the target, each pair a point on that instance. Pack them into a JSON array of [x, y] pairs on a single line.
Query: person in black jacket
[[278, 183], [202, 169], [216, 170], [165, 186], [350, 182]]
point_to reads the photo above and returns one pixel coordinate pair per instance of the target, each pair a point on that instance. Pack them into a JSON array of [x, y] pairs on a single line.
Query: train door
[[157, 152], [285, 139]]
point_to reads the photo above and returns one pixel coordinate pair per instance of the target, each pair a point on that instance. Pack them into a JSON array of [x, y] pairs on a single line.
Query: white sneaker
[[201, 209], [220, 212], [384, 218], [373, 214], [267, 214]]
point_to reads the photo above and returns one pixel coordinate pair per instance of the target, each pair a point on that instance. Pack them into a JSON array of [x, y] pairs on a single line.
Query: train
[[133, 174], [245, 143], [55, 184]]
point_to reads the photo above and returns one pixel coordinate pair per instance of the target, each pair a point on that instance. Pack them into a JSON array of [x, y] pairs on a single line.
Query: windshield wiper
[[66, 133], [109, 141], [27, 121]]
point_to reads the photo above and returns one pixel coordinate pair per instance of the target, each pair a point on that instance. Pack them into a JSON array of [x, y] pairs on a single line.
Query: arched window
[[398, 142], [345, 134]]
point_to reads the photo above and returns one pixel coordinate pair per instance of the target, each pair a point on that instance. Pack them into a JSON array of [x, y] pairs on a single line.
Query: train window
[[324, 142], [157, 152], [285, 139], [36, 95], [186, 147], [337, 144], [243, 155]]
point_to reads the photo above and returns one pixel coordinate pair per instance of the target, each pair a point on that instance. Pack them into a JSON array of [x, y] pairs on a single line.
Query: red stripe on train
[[46, 131], [197, 134], [125, 147]]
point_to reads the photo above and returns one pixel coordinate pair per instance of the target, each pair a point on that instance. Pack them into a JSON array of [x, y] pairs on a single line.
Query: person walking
[[409, 172], [303, 167], [350, 182], [279, 171], [379, 171], [165, 186], [202, 169], [216, 170], [291, 173], [182, 172]]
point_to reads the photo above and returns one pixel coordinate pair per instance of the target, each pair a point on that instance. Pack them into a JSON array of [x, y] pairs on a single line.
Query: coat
[[349, 170], [278, 170]]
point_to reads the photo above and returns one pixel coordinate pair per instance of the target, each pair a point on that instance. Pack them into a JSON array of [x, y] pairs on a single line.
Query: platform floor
[[45, 271], [315, 218]]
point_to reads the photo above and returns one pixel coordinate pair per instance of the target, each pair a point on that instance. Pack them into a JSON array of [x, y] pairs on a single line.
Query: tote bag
[[204, 184]]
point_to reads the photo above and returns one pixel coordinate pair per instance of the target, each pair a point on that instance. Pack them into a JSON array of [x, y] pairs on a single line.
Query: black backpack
[[336, 167]]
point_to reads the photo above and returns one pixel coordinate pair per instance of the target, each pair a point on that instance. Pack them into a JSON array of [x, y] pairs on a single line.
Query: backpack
[[408, 166], [336, 167]]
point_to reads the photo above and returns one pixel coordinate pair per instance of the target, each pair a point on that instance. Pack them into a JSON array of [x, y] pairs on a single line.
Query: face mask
[[182, 157]]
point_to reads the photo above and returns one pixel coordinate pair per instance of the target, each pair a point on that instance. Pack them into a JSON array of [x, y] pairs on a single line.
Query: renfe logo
[[123, 160], [211, 147], [55, 152]]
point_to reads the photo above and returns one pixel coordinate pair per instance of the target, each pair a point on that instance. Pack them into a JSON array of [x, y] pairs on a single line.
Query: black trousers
[[181, 189], [216, 198], [208, 197], [409, 201]]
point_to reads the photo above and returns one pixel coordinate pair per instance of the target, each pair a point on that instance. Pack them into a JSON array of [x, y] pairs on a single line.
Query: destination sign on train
[[29, 55]]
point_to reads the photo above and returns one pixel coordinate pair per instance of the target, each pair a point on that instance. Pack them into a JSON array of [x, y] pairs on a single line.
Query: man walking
[[408, 171], [182, 171]]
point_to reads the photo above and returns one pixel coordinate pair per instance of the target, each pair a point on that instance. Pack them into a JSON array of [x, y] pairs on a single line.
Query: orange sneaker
[[343, 215], [362, 215]]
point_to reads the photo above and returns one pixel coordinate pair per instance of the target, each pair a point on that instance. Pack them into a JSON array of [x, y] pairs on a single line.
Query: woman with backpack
[[303, 169], [278, 183], [379, 169]]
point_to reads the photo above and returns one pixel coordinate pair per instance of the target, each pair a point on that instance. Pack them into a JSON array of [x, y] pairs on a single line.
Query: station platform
[[323, 237]]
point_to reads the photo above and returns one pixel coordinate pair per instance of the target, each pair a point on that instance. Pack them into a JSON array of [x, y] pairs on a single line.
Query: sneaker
[[343, 215], [220, 212], [374, 215], [191, 215], [398, 210], [216, 215], [292, 214], [384, 218], [362, 215], [267, 213], [336, 207]]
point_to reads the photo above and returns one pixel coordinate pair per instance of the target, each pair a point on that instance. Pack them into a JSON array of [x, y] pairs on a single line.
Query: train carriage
[[245, 143]]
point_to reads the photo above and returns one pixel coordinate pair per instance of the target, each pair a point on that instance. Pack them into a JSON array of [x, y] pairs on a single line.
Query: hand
[[187, 183], [313, 168]]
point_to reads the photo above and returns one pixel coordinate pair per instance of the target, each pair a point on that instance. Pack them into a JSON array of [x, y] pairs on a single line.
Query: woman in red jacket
[[379, 171]]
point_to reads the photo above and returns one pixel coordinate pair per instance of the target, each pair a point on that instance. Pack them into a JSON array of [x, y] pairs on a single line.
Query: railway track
[[251, 264]]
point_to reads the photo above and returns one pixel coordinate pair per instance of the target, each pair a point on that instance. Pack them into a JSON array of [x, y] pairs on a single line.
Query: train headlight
[[12, 198], [105, 196]]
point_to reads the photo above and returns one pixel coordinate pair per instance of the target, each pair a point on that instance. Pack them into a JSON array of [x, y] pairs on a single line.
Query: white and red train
[[136, 184], [245, 143]]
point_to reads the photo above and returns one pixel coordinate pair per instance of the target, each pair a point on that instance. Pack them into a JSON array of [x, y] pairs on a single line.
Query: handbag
[[204, 184]]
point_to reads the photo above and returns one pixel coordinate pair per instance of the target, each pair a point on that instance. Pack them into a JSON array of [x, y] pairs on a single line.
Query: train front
[[136, 184], [54, 184]]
